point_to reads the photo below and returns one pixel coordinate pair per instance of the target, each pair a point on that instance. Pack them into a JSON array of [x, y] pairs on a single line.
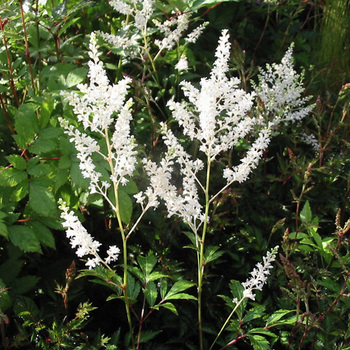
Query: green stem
[[226, 322], [201, 263], [124, 239]]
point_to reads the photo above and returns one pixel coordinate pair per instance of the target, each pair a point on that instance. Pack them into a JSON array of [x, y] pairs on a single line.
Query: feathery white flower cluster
[[101, 107], [218, 117], [184, 203], [196, 33], [171, 35], [141, 10], [218, 112], [311, 140], [259, 275], [182, 65], [280, 89], [82, 240]]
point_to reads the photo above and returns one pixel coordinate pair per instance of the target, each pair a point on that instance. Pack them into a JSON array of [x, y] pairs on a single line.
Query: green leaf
[[259, 343], [151, 293], [306, 214], [212, 254], [275, 318], [26, 124], [3, 230], [169, 306], [24, 238], [180, 296], [17, 161], [237, 292], [46, 110], [254, 313], [130, 187], [41, 169], [20, 191], [5, 300], [134, 289], [263, 331], [11, 177], [41, 200], [148, 335], [147, 264], [76, 77], [125, 206], [43, 234], [163, 287], [178, 287], [106, 277], [330, 284], [24, 284], [156, 275]]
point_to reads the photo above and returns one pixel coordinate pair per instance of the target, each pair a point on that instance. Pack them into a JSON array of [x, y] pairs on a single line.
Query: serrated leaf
[[259, 343], [3, 230], [169, 306], [41, 200], [17, 161], [41, 169], [106, 277], [125, 206], [24, 238], [163, 288], [11, 177], [254, 313], [46, 109], [43, 234], [26, 124], [306, 214], [178, 287], [24, 284], [76, 76], [263, 331], [212, 254], [148, 335], [330, 284], [151, 293], [275, 318], [156, 275], [180, 296], [20, 191], [133, 289], [147, 264]]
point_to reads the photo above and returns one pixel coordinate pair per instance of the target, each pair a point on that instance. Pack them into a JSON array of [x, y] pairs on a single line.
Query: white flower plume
[[259, 275], [217, 115], [101, 107], [81, 240], [280, 89], [185, 202]]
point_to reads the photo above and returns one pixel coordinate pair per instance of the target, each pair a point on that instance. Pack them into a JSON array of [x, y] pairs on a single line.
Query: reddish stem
[[9, 64]]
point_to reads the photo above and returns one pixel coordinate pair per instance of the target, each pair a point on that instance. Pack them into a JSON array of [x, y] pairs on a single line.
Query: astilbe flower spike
[[259, 275], [280, 89], [100, 107], [81, 240]]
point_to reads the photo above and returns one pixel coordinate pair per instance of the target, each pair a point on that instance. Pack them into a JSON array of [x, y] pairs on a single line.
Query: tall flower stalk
[[102, 109]]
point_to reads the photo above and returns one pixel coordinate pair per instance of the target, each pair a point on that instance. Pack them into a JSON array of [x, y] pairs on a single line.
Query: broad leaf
[[41, 200], [150, 293], [24, 238]]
